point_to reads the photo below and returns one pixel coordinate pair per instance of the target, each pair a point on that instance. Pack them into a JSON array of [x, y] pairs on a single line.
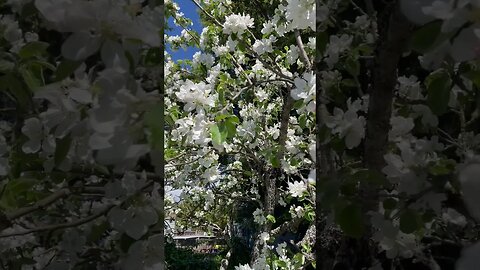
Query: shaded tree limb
[[392, 42], [71, 224], [393, 38], [52, 198], [60, 226]]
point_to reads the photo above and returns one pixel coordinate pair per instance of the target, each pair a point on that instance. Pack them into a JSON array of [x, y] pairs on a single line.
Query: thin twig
[[189, 162], [240, 68], [206, 13], [7, 109], [358, 8], [303, 53], [250, 86], [197, 41], [450, 139]]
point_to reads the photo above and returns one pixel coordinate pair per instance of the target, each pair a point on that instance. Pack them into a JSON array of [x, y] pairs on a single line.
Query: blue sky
[[191, 11]]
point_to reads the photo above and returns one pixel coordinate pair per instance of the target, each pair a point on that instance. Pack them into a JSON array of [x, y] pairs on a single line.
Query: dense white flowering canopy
[[85, 113], [242, 123]]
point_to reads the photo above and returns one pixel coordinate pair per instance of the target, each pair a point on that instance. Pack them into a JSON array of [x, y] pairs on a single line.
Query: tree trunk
[[394, 33]]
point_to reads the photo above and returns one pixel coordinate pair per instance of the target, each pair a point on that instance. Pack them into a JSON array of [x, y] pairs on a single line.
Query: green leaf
[[6, 66], [322, 41], [66, 68], [221, 117], [221, 93], [299, 258], [272, 157], [310, 215], [281, 264], [410, 221], [15, 87], [365, 49], [302, 120], [349, 83], [61, 149], [153, 120], [28, 10], [102, 169], [350, 220], [442, 167], [153, 57], [428, 216], [30, 79], [352, 66], [231, 129], [234, 119], [169, 120], [241, 46], [32, 49], [439, 86], [131, 61], [97, 231], [271, 218], [389, 203], [16, 191], [474, 76], [218, 136], [41, 63], [231, 126], [170, 153], [424, 38], [298, 104]]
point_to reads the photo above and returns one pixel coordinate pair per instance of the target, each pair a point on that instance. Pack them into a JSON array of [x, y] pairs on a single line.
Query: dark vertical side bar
[[161, 172], [318, 143]]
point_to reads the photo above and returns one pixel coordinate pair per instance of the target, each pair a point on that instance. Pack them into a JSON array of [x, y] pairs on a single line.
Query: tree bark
[[270, 177], [392, 41], [394, 34]]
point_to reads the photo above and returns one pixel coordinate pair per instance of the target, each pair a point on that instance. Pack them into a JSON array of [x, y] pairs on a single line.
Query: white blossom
[[301, 13], [237, 24], [297, 188]]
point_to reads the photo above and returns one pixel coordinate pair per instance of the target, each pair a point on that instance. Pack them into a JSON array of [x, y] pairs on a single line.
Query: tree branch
[[60, 226], [392, 43], [74, 223], [288, 226], [303, 53], [188, 162], [59, 194], [282, 138], [223, 110], [308, 239], [393, 38]]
